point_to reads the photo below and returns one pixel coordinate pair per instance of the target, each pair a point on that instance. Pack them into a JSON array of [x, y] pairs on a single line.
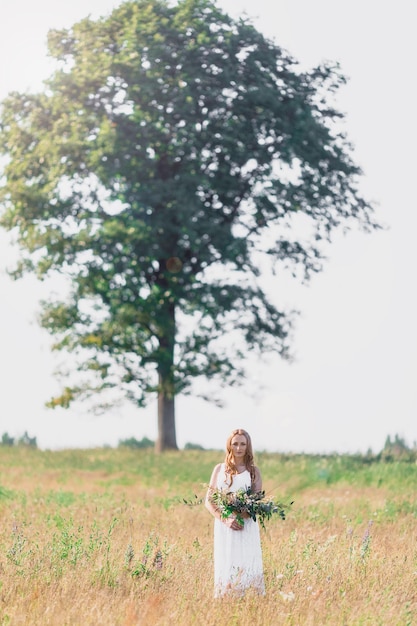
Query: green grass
[[124, 466]]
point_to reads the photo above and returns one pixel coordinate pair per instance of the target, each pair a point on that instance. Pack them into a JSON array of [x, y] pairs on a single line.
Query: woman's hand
[[232, 523]]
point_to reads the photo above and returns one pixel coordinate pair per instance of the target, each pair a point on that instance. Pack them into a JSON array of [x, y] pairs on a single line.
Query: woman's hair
[[229, 462]]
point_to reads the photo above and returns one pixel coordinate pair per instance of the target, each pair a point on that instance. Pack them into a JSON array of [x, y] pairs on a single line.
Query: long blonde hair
[[230, 467]]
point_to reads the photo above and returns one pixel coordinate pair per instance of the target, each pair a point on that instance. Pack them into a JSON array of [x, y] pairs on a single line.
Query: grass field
[[103, 538]]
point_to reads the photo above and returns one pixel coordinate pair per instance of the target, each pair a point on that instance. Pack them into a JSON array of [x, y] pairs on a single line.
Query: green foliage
[[151, 558], [61, 498], [5, 493], [134, 443], [6, 440], [24, 440], [193, 446], [398, 449], [17, 553], [173, 153], [254, 504]]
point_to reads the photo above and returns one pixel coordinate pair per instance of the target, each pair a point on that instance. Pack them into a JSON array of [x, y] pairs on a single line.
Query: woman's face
[[239, 446]]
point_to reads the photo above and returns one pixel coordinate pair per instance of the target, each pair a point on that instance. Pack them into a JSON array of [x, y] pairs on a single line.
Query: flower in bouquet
[[247, 503]]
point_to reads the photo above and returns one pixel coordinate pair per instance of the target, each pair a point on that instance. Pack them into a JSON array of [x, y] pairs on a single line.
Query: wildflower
[[288, 597], [366, 540], [129, 555], [157, 562]]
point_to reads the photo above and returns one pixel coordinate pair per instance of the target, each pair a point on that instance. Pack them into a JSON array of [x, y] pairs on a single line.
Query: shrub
[[134, 443]]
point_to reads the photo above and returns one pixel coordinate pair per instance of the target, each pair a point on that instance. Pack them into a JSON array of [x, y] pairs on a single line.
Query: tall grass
[[103, 537]]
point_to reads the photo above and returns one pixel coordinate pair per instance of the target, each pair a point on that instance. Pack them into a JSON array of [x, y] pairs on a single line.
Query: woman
[[237, 548]]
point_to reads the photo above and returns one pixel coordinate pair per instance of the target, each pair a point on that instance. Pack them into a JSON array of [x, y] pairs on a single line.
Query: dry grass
[[85, 542]]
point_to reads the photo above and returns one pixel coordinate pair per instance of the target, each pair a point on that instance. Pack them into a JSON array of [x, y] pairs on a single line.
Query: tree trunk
[[167, 439], [166, 389]]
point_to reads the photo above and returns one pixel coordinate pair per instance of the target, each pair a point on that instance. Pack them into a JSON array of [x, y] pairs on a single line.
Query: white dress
[[237, 553]]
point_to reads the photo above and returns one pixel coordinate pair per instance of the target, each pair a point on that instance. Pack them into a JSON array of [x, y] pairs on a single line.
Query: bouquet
[[248, 503]]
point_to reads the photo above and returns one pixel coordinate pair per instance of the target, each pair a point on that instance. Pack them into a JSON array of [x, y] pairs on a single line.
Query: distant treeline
[[145, 442], [148, 443], [24, 440], [395, 448]]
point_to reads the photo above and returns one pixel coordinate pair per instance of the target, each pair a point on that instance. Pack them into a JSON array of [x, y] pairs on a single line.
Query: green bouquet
[[247, 503]]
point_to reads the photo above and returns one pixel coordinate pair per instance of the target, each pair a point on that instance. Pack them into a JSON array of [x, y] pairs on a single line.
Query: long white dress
[[237, 553]]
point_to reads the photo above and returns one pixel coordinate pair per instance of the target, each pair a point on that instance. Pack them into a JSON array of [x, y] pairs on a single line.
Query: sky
[[352, 380]]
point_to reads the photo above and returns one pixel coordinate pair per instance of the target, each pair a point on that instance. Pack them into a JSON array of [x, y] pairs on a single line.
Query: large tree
[[172, 150]]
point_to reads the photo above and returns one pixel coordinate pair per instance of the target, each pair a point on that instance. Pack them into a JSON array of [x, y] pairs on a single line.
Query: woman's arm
[[231, 521], [209, 504]]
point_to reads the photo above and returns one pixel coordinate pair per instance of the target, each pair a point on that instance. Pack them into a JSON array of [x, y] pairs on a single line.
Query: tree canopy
[[172, 151]]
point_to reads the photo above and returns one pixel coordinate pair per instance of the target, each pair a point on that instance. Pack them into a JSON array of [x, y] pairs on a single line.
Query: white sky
[[353, 381]]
